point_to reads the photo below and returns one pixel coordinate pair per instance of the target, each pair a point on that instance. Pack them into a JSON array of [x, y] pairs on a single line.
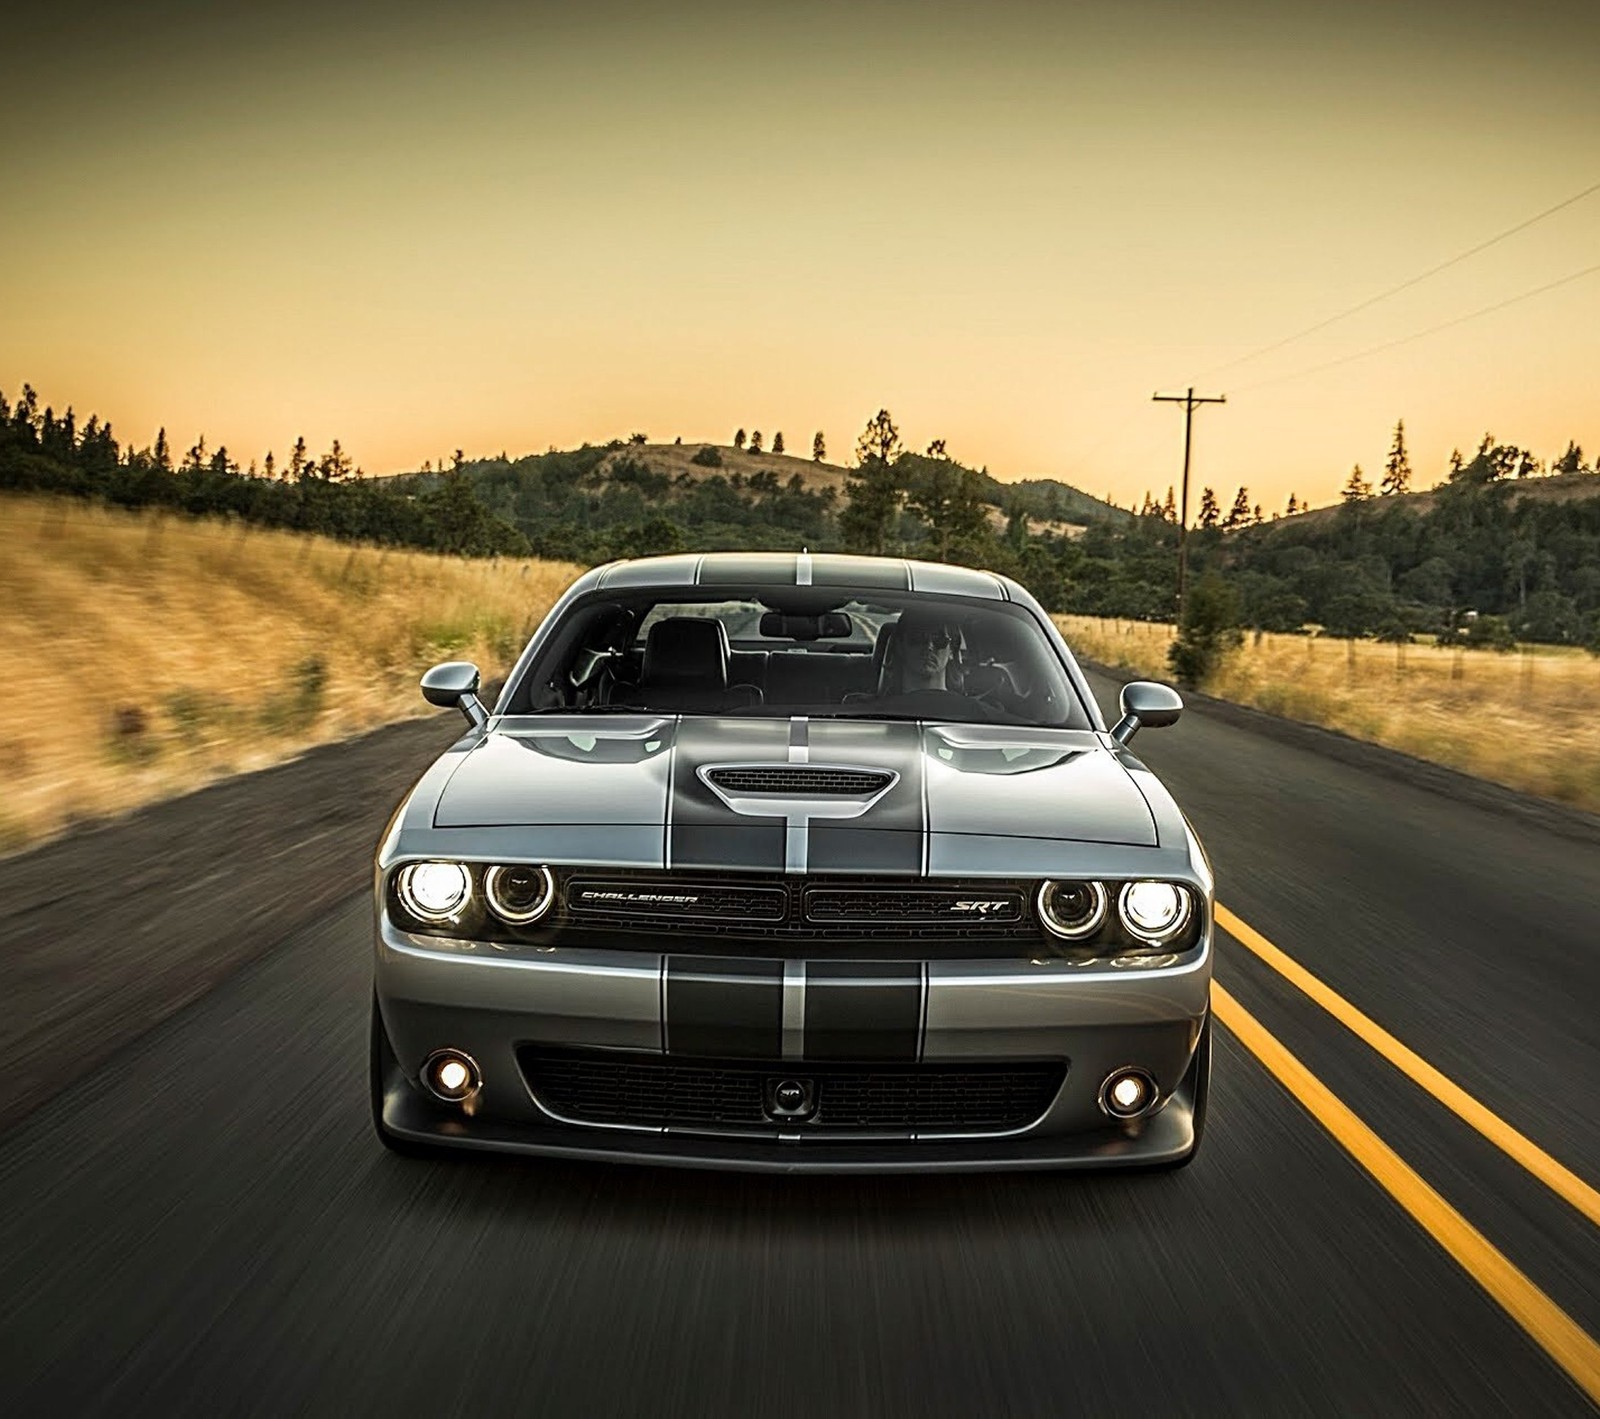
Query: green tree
[[1571, 461], [948, 501], [738, 439], [1208, 631], [1210, 512], [777, 442], [1356, 488], [755, 441], [1294, 506], [819, 449], [1239, 514], [875, 493], [1397, 467]]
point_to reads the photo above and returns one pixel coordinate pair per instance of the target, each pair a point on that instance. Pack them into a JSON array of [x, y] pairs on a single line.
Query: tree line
[[1479, 563], [45, 452]]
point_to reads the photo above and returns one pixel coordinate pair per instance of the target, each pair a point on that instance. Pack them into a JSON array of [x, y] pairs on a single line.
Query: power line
[[1431, 330], [1406, 285]]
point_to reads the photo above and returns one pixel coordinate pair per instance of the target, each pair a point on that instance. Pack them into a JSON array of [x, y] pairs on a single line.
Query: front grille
[[670, 901], [594, 1087], [801, 781], [946, 906], [772, 906]]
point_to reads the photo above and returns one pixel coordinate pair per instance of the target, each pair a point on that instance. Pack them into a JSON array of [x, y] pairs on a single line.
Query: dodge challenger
[[794, 862]]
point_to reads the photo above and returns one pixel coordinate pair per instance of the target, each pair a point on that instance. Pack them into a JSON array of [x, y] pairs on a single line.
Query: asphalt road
[[204, 1224]]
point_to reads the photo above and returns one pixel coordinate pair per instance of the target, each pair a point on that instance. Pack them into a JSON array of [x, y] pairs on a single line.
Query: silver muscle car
[[794, 862]]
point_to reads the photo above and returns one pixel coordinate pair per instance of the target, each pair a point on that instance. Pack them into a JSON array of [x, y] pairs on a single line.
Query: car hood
[[656, 772]]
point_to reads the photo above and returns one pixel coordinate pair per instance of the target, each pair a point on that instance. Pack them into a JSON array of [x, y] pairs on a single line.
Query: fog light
[[1127, 1093], [451, 1075]]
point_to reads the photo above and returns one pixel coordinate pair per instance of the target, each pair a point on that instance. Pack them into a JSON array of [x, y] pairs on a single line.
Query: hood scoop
[[798, 790], [799, 780]]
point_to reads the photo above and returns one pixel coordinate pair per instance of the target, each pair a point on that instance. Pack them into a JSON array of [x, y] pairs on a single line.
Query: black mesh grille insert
[[631, 905], [674, 901], [800, 780], [597, 1087], [971, 906]]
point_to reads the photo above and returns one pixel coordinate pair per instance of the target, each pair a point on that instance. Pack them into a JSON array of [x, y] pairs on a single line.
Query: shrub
[[1208, 631], [708, 457]]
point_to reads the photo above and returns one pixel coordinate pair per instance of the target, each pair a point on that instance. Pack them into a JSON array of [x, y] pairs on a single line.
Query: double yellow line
[[1571, 1347]]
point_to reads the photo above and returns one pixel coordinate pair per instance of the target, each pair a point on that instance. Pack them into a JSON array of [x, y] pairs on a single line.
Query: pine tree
[[1356, 489], [1294, 506], [1239, 514], [875, 491], [936, 449], [1169, 509], [297, 460], [1209, 509], [269, 465], [1571, 461], [1397, 468], [1256, 517], [755, 441], [819, 449], [777, 442], [161, 454], [738, 439]]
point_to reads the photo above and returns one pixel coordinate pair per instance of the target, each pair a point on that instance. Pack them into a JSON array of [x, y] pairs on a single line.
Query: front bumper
[[434, 993]]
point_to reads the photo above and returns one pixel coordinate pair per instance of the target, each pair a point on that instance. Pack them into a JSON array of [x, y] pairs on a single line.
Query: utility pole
[[1189, 399]]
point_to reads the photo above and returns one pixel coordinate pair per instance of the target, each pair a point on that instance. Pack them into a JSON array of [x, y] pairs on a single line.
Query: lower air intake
[[597, 1087]]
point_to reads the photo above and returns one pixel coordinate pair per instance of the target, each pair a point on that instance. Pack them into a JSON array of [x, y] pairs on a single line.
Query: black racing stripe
[[748, 845], [724, 1008], [757, 569], [889, 836], [879, 574], [863, 1009], [845, 847], [704, 831]]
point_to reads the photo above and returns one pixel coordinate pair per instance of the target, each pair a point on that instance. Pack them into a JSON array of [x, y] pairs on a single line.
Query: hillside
[[152, 652], [1562, 488]]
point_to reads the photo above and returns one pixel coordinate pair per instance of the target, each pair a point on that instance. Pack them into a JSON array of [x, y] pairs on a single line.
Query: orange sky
[[511, 226]]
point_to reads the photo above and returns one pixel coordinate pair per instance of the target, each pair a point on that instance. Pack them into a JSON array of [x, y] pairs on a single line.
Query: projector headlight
[[434, 891], [1155, 912], [1073, 910], [520, 893]]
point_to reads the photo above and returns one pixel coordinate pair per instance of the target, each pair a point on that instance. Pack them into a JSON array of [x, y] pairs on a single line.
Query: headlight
[[434, 891], [1072, 910], [519, 894], [1154, 911]]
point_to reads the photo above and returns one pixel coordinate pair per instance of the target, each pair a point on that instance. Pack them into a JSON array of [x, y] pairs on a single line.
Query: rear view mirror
[[455, 684], [1146, 703], [825, 625]]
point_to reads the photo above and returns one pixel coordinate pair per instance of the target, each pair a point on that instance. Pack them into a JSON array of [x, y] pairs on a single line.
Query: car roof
[[800, 569]]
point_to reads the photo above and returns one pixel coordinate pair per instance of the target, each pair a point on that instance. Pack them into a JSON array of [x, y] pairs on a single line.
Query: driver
[[921, 654]]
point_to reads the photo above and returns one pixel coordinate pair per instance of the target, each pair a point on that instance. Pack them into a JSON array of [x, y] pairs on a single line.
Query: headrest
[[687, 650]]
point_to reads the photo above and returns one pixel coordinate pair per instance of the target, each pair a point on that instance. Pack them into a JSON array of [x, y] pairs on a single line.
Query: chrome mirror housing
[[1144, 702], [455, 683]]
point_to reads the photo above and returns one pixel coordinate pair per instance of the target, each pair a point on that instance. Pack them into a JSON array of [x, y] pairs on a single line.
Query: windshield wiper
[[600, 709]]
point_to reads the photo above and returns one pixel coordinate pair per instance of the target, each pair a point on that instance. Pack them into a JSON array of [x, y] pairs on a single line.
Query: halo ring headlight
[[434, 891], [1154, 912], [1079, 916], [519, 893]]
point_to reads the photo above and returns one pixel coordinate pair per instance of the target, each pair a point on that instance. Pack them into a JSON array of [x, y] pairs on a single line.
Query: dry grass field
[[1529, 719], [149, 654]]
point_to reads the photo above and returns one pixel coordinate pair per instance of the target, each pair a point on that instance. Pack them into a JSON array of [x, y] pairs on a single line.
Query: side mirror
[[455, 683], [1146, 703]]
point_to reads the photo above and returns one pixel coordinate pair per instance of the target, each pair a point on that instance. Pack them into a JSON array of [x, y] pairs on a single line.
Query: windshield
[[768, 651]]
